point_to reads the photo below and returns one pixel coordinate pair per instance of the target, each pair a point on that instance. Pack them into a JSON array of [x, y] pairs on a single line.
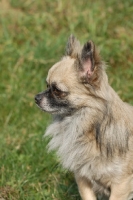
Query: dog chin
[[58, 112], [55, 112], [48, 110]]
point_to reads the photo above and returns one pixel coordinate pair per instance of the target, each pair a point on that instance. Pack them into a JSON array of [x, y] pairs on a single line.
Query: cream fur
[[95, 141]]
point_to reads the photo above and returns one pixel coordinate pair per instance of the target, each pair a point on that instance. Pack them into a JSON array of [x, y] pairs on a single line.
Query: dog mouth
[[48, 111], [46, 107]]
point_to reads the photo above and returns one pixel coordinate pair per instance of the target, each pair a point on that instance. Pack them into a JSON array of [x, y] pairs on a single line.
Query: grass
[[32, 38]]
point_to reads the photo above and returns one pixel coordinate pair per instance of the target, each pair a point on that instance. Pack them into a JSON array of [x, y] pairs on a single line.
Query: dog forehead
[[60, 70]]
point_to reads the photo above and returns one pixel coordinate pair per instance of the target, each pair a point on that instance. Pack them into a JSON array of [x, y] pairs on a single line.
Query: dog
[[92, 128]]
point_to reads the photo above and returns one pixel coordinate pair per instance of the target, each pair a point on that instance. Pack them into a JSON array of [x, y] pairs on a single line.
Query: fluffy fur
[[92, 127]]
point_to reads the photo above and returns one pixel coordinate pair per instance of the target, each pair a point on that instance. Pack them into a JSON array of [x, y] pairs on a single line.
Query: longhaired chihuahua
[[92, 128]]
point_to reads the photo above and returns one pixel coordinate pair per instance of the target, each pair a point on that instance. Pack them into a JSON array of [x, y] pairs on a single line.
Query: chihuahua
[[92, 128]]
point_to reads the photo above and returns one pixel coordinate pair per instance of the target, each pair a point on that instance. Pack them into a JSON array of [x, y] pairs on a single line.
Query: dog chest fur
[[78, 151]]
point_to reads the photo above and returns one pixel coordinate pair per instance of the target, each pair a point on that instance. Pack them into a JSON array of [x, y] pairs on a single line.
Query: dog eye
[[56, 91]]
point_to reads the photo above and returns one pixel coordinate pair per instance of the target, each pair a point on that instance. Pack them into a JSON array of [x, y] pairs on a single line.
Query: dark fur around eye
[[55, 102], [57, 92], [60, 104]]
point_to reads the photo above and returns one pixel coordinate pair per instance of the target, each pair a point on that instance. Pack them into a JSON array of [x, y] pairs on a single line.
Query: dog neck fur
[[91, 132]]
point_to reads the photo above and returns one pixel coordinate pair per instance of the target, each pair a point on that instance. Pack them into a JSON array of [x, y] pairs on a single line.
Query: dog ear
[[89, 63], [87, 58], [73, 47]]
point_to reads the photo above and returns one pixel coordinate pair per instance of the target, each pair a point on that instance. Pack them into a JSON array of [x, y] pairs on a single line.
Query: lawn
[[33, 36]]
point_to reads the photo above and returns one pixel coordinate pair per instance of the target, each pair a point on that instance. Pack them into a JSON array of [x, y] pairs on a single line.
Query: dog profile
[[92, 128]]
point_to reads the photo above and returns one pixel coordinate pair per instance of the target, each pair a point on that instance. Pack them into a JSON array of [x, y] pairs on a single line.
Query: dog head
[[73, 82]]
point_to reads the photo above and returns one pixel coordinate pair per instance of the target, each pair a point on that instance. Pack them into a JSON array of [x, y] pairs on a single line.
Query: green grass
[[33, 35]]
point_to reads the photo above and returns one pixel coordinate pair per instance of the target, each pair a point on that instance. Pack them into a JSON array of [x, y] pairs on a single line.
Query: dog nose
[[38, 98]]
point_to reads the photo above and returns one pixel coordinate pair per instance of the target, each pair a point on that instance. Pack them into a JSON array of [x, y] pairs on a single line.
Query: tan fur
[[95, 141]]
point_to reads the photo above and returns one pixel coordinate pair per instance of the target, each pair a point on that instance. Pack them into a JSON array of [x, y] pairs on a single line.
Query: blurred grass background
[[33, 35]]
